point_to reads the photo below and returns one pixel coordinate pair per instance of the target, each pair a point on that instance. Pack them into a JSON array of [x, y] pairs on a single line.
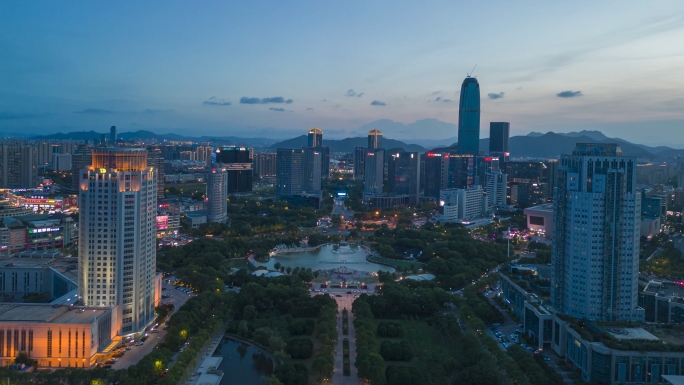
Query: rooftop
[[547, 207], [597, 149], [622, 333], [665, 289], [46, 313], [64, 264]]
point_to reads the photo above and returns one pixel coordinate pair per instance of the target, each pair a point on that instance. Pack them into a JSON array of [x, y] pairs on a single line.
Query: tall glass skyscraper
[[469, 117], [315, 137]]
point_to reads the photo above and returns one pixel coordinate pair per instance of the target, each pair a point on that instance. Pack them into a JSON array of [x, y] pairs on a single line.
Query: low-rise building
[[540, 219]]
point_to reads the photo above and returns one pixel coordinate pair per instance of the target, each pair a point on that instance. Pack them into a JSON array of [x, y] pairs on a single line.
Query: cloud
[[436, 92], [156, 111], [500, 95], [95, 111], [309, 109], [214, 101], [18, 115], [378, 103], [351, 93], [277, 109], [569, 94], [275, 99], [440, 99]]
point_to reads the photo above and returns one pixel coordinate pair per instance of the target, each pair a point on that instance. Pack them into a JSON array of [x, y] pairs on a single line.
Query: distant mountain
[[148, 135], [423, 129], [347, 145]]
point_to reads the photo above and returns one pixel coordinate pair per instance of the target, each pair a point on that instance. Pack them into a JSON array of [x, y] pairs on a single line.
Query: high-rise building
[[595, 254], [374, 139], [288, 172], [217, 187], [155, 158], [117, 236], [315, 137], [61, 162], [18, 166], [457, 203], [359, 161], [498, 140], [238, 164], [374, 171], [81, 159], [403, 175], [265, 164], [496, 188], [112, 135], [203, 153], [311, 169], [469, 117], [447, 170]]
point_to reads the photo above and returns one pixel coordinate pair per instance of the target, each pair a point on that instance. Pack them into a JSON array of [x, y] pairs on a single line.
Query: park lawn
[[396, 262]]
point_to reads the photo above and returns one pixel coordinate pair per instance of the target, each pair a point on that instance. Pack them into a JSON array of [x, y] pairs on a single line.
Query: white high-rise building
[[448, 206], [470, 202], [595, 257], [117, 248], [217, 193], [496, 188]]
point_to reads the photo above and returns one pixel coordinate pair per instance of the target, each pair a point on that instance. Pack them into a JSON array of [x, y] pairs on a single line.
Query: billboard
[[162, 222]]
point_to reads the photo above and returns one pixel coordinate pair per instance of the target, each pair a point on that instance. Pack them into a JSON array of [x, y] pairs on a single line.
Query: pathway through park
[[338, 376]]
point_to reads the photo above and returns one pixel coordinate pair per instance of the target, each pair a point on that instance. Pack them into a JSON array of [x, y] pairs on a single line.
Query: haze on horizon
[[274, 69]]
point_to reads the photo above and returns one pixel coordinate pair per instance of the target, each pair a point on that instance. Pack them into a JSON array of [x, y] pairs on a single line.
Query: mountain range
[[532, 145]]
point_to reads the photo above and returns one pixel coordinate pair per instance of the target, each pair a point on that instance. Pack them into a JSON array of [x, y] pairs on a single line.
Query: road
[[136, 353]]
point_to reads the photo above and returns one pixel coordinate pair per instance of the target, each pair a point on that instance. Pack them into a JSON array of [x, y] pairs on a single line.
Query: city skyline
[[258, 70]]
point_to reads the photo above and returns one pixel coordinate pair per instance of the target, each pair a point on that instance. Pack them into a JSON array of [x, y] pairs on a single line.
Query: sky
[[274, 69]]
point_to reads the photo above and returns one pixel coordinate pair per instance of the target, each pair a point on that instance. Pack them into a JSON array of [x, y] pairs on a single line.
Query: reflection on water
[[327, 257], [242, 363]]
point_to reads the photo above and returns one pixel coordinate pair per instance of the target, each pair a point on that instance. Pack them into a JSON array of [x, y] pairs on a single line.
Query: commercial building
[[448, 206], [359, 162], [315, 137], [311, 169], [374, 139], [374, 171], [498, 139], [217, 187], [447, 170], [238, 164], [595, 255], [117, 248], [81, 158], [663, 302], [403, 175], [288, 172], [112, 135], [155, 158], [540, 219], [468, 203], [469, 117]]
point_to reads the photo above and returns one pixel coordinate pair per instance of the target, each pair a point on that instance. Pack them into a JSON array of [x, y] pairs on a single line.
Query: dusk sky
[[274, 69]]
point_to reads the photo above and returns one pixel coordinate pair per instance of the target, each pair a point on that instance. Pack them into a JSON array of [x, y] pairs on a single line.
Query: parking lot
[[136, 353]]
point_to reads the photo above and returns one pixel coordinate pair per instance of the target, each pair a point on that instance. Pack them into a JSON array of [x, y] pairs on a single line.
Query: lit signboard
[[162, 222], [43, 230]]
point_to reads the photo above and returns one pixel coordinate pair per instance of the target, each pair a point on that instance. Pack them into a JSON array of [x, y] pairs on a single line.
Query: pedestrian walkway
[[204, 353], [338, 374]]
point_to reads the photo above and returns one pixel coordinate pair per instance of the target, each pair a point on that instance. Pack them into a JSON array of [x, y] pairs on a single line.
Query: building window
[[49, 343]]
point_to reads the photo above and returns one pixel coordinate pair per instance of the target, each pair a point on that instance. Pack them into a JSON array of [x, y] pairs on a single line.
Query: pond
[[350, 257], [242, 363]]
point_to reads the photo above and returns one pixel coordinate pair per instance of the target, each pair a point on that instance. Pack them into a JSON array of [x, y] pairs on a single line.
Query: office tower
[[595, 254], [112, 135], [311, 170], [103, 140], [61, 162], [469, 117], [315, 137], [374, 138], [265, 164], [498, 141], [448, 206], [403, 175], [325, 162], [238, 164], [498, 137], [117, 235], [155, 159], [457, 203], [17, 166], [359, 161], [496, 188], [81, 159], [445, 170], [374, 171], [288, 172], [217, 203]]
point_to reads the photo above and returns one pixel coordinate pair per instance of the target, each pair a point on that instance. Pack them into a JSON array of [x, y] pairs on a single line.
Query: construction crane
[[471, 72]]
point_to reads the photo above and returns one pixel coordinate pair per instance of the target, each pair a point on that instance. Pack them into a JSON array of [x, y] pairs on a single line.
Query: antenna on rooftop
[[472, 71]]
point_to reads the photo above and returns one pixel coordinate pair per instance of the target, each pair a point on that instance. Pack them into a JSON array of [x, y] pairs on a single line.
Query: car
[[547, 359], [181, 350], [111, 361], [338, 295], [139, 343], [349, 292], [154, 331], [128, 348], [107, 366]]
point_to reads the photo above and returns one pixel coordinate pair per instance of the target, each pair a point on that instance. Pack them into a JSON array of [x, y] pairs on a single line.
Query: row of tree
[[370, 364]]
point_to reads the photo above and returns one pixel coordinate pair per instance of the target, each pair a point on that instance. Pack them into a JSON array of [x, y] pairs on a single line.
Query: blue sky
[[184, 67]]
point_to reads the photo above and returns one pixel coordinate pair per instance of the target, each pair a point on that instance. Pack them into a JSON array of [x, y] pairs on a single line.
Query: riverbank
[[394, 263], [291, 250]]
